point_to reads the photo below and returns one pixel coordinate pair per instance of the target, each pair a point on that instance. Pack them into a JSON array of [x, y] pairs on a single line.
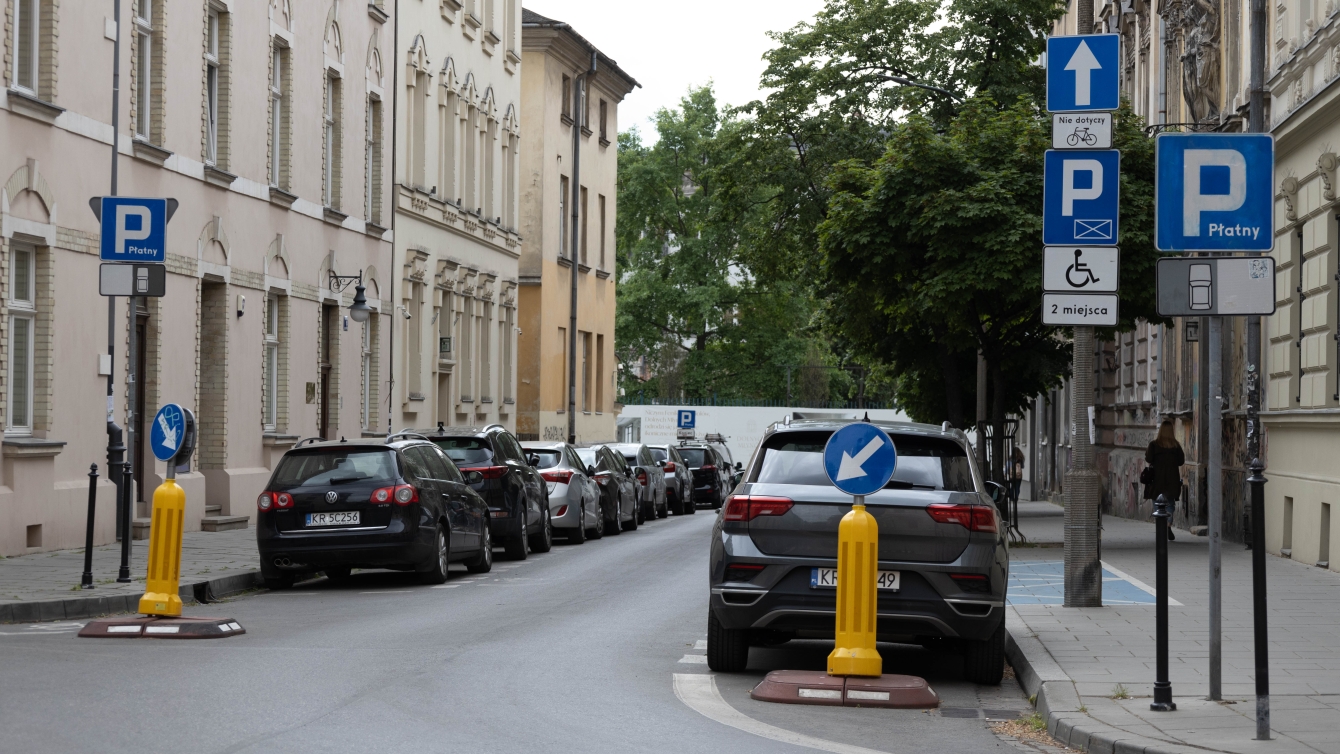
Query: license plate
[[333, 518], [826, 578]]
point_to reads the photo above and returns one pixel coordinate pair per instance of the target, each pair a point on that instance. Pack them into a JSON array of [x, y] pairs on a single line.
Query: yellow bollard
[[160, 596], [854, 651]]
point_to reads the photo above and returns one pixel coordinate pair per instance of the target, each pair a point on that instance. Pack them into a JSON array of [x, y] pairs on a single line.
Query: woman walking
[[1162, 474], [1016, 473]]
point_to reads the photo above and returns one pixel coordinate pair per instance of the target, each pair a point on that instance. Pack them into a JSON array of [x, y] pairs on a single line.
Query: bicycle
[[1081, 134]]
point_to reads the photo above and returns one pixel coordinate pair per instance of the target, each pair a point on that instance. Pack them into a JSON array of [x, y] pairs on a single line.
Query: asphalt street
[[574, 650]]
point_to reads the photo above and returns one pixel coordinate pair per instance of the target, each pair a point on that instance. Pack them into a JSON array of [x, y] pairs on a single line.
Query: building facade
[[560, 95], [266, 120], [457, 244]]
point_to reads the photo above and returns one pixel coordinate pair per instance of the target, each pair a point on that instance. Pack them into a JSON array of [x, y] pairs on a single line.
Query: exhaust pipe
[[283, 563]]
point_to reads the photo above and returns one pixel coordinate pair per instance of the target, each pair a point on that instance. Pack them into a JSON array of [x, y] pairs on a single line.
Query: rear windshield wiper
[[344, 479], [897, 485]]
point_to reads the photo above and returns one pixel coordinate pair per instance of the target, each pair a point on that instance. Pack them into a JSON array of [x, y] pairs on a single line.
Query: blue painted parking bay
[[1042, 582]]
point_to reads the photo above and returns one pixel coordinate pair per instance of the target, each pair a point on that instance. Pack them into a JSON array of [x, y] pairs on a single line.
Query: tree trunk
[[998, 461], [953, 386]]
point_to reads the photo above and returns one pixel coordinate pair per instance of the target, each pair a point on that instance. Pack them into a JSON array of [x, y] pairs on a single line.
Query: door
[[462, 511], [436, 497], [329, 332]]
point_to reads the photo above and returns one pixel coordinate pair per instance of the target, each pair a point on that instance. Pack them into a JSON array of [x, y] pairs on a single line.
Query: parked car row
[[418, 501]]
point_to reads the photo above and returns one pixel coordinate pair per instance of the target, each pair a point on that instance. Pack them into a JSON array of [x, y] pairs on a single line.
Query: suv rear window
[[692, 456], [927, 463], [658, 454], [331, 467], [466, 451], [548, 458]]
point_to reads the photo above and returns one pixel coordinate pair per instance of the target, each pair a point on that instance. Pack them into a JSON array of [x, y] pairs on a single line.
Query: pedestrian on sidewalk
[[1016, 473], [1162, 474]]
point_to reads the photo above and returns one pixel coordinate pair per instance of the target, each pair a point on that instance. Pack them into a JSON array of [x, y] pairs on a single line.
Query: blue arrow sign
[[169, 429], [134, 229], [860, 459], [687, 419], [1080, 204], [1083, 73], [1213, 192]]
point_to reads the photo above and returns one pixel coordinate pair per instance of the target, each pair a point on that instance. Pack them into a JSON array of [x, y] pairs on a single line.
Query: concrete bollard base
[[815, 687]]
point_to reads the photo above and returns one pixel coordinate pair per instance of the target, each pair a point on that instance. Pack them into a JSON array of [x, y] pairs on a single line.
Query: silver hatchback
[[574, 497]]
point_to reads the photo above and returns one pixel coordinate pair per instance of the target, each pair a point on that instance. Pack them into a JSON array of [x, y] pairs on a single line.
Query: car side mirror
[[590, 471], [532, 460], [738, 467], [473, 477], [996, 491], [661, 464]]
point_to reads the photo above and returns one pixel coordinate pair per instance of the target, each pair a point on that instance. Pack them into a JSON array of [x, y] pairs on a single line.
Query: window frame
[[367, 375], [24, 309], [278, 110], [144, 64], [270, 418], [34, 28], [563, 189], [212, 42]]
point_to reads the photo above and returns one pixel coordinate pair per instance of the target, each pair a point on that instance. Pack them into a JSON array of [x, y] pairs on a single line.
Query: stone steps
[[223, 523]]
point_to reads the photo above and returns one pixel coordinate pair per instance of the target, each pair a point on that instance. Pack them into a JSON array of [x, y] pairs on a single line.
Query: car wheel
[[690, 507], [518, 547], [613, 526], [984, 661], [483, 562], [678, 507], [716, 503], [544, 541], [597, 531], [578, 536], [636, 520], [339, 575], [435, 571], [663, 511], [727, 648]]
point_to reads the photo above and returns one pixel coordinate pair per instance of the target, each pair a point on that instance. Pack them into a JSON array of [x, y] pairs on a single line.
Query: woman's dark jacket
[[1167, 479]]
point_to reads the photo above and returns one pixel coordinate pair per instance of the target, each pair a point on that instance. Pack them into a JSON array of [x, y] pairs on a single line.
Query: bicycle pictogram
[[1081, 268], [1081, 134]]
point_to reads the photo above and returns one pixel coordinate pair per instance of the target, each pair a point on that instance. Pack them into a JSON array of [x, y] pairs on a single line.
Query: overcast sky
[[670, 46]]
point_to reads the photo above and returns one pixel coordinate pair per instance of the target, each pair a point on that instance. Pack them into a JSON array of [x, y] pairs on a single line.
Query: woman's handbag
[[1147, 475]]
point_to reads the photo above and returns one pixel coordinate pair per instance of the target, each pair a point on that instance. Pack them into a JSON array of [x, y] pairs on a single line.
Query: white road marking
[[388, 591], [699, 692], [444, 586], [1138, 584], [694, 659], [700, 644]]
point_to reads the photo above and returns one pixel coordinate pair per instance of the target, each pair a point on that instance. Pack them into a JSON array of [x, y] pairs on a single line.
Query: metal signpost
[[1080, 215], [859, 460], [1214, 193]]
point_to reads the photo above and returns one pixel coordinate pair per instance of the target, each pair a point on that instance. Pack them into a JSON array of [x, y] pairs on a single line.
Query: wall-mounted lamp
[[241, 305], [359, 310]]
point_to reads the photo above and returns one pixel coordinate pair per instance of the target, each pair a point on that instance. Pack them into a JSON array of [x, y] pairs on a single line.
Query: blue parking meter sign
[[169, 430], [1080, 205], [687, 419], [1083, 73], [134, 229], [1213, 192], [860, 458]]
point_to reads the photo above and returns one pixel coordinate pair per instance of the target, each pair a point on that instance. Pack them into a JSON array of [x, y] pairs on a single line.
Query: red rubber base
[[148, 627], [817, 687]]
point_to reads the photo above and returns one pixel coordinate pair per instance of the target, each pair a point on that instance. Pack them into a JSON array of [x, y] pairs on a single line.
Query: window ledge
[[509, 401], [29, 105], [32, 447], [333, 216], [150, 152], [417, 397], [282, 198], [217, 177], [377, 14], [602, 274], [564, 261], [373, 229], [467, 399], [276, 440], [604, 142], [451, 5], [584, 267], [565, 119], [486, 400], [587, 132]]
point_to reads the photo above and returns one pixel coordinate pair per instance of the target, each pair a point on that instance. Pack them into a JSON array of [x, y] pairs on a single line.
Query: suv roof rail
[[491, 426], [306, 440], [714, 437], [407, 433]]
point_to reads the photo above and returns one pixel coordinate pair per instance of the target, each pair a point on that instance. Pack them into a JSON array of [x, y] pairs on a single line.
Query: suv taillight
[[708, 467], [742, 571], [642, 475], [401, 494], [560, 477], [974, 583], [488, 472], [750, 507], [268, 500], [669, 467], [971, 517]]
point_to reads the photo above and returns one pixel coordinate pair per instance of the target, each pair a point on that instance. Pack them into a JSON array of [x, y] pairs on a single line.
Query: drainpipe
[[579, 93]]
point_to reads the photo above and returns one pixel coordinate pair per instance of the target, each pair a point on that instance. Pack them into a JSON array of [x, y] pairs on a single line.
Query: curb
[[1058, 702], [201, 592]]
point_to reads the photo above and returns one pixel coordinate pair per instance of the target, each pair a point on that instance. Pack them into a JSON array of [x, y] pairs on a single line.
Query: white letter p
[[1069, 194], [1194, 202], [124, 211]]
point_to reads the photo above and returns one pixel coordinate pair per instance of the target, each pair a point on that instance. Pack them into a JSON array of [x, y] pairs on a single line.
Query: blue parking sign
[[1213, 192], [1083, 73], [1080, 204], [134, 229], [687, 418]]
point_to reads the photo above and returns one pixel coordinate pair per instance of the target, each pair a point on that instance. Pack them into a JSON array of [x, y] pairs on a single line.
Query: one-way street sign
[[1213, 192], [1080, 197], [1083, 73]]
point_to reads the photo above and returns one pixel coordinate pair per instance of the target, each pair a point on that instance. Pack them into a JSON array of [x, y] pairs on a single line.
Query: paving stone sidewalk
[[1107, 653], [45, 586]]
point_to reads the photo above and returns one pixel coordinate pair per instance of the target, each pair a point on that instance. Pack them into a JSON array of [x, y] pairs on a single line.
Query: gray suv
[[942, 553]]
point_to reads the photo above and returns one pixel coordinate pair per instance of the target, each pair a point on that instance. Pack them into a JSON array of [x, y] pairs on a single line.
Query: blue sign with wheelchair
[[1080, 191], [1213, 192], [687, 418]]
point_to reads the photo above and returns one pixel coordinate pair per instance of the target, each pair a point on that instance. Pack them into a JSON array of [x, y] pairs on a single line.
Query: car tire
[[544, 541], [578, 536], [678, 507], [435, 570], [663, 511], [716, 503], [690, 507], [597, 531], [339, 575], [483, 562], [984, 661], [276, 583], [614, 527], [727, 648], [632, 523]]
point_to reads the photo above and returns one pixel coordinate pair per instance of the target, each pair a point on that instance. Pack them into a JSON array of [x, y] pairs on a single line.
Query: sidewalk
[[1080, 661], [45, 586]]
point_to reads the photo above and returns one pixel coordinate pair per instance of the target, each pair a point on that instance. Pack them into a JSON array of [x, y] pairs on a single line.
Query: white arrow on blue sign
[[1213, 192], [134, 229], [1080, 204], [1083, 73], [860, 458], [169, 429]]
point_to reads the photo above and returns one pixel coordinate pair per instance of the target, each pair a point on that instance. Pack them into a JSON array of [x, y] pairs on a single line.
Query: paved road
[[576, 650]]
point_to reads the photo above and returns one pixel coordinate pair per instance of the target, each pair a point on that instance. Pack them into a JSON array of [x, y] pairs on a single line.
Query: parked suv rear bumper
[[392, 546]]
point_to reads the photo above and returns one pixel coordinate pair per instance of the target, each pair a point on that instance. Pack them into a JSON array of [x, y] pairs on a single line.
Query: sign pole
[[115, 448], [1214, 491]]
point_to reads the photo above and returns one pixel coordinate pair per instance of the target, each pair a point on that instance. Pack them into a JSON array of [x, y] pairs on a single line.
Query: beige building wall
[[457, 242], [251, 227], [554, 59]]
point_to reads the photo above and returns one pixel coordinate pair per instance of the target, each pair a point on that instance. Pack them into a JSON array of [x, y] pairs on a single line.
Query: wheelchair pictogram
[[1081, 269]]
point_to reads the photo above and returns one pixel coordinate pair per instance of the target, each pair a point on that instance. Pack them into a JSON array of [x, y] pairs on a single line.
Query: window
[[446, 178], [562, 216], [418, 103], [278, 116], [508, 341], [566, 96], [604, 121], [563, 371], [271, 420], [27, 19], [330, 190], [490, 137], [372, 162], [584, 223], [600, 207], [22, 314], [211, 87], [144, 59], [923, 462], [466, 352], [485, 353], [600, 371], [586, 371], [470, 138]]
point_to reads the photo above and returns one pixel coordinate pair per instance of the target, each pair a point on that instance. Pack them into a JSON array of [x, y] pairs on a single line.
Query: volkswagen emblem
[[332, 496]]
